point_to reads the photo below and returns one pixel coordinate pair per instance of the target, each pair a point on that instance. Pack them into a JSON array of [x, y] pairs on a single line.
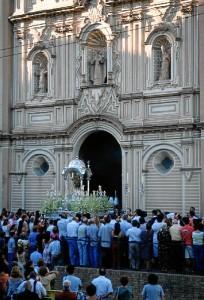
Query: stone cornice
[[45, 13], [157, 128]]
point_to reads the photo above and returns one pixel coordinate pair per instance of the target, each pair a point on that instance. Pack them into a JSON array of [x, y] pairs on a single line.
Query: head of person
[[153, 279], [192, 208], [185, 220], [174, 221], [42, 271], [55, 229], [117, 227], [192, 213], [84, 220], [28, 264], [28, 285], [128, 212], [70, 269], [15, 272], [33, 275], [102, 271], [124, 280], [63, 216], [154, 212], [12, 233], [14, 263], [91, 290], [148, 226], [40, 262], [107, 219], [66, 285], [134, 223], [160, 217], [23, 236]]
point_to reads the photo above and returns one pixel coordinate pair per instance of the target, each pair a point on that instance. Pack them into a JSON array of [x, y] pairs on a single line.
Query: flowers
[[91, 204], [51, 204]]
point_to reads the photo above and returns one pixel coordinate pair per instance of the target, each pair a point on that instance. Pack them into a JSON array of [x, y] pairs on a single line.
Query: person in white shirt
[[62, 227], [134, 239], [103, 285], [54, 249], [36, 286], [72, 233]]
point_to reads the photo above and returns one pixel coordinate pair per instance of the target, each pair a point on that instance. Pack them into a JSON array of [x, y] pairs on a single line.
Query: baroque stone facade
[[128, 68]]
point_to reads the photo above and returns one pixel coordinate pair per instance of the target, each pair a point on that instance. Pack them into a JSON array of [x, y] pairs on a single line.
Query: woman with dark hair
[[164, 239], [46, 277], [153, 290], [116, 245], [123, 292], [146, 252]]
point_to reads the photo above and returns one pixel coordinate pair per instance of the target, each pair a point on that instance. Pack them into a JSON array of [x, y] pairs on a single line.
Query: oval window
[[163, 162], [40, 166]]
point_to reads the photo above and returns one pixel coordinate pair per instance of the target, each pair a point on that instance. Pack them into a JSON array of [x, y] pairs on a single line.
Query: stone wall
[[176, 287]]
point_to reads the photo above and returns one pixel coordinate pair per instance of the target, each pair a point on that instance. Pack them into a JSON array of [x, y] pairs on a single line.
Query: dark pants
[[177, 256], [106, 257], [64, 251]]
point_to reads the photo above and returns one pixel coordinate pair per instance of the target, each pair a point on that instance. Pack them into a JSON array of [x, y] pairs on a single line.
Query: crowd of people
[[32, 245]]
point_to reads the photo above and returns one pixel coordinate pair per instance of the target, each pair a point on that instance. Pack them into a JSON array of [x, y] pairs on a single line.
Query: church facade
[[131, 69]]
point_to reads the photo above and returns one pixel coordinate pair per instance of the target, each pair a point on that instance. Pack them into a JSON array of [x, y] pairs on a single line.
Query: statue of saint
[[98, 68], [166, 62], [42, 79]]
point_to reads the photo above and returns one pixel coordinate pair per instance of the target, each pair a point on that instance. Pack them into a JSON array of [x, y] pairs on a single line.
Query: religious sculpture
[[97, 70], [166, 61], [42, 79]]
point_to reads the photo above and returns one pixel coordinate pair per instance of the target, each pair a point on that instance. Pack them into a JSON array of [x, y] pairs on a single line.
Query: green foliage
[[51, 204], [91, 204]]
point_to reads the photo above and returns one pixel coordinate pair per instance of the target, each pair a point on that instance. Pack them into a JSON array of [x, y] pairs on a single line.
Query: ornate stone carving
[[98, 100], [187, 8], [131, 17], [80, 2], [63, 27], [20, 34], [95, 11]]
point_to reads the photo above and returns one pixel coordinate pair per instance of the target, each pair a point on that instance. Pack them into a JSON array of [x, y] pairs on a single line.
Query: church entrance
[[104, 154]]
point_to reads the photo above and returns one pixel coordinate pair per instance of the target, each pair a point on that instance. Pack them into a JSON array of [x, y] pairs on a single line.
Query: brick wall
[[176, 287]]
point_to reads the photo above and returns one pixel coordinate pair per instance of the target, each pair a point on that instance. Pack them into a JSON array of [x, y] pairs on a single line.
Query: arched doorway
[[104, 154]]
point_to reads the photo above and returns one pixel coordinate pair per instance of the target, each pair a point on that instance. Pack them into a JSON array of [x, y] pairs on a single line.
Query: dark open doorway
[[104, 154]]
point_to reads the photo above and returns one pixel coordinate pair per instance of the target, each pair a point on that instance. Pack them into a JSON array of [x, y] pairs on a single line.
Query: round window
[[163, 162], [40, 166]]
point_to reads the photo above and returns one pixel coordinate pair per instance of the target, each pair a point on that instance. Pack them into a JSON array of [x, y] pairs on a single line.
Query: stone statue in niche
[[42, 79], [97, 67], [166, 62]]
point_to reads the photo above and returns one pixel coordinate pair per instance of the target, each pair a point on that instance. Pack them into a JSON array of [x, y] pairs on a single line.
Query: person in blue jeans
[[11, 249], [152, 290]]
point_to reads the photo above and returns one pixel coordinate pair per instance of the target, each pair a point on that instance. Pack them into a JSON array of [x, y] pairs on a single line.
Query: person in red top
[[186, 233], [66, 294]]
